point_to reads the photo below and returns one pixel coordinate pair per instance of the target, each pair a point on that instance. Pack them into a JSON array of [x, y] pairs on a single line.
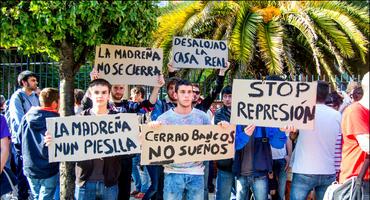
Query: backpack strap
[[20, 97]]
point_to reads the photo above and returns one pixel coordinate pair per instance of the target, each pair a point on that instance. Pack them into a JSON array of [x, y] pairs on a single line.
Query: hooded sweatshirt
[[31, 137]]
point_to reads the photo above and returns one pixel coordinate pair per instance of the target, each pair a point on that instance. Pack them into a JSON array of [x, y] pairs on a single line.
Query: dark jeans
[[280, 177], [224, 184], [124, 181], [17, 166], [211, 186], [155, 191]]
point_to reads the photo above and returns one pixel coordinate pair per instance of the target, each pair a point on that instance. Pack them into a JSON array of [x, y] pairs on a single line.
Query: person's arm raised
[[154, 95]]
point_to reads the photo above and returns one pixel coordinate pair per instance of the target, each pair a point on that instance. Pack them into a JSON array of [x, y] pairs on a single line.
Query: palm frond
[[335, 35], [349, 28], [332, 50], [359, 15], [270, 42], [172, 23], [244, 33], [197, 18], [288, 55], [305, 26]]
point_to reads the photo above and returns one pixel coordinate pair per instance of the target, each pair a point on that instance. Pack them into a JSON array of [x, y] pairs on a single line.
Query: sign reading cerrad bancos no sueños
[[180, 144], [77, 138], [128, 65], [199, 53], [274, 103]]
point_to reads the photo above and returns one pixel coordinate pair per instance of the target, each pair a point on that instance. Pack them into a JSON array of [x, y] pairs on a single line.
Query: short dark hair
[[102, 82], [322, 91], [48, 96], [138, 89], [172, 81], [23, 76], [182, 82], [334, 99], [227, 90], [79, 95]]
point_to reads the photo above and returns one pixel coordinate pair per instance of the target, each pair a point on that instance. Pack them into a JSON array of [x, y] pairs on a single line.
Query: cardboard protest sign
[[77, 138], [179, 144], [199, 53], [128, 65], [274, 103]]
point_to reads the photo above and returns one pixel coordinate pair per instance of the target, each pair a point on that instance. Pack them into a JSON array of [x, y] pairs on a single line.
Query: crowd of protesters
[[269, 163]]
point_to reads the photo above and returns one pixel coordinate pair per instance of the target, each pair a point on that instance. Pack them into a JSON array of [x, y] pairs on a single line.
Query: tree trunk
[[66, 74]]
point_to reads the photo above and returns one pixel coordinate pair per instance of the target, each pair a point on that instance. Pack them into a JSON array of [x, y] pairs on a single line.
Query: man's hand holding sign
[[164, 144]]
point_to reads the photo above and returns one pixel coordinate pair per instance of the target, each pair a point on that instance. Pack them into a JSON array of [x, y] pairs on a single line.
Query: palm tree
[[274, 37]]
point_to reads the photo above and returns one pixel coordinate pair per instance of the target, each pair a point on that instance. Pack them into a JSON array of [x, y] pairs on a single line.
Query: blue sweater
[[31, 137], [276, 138]]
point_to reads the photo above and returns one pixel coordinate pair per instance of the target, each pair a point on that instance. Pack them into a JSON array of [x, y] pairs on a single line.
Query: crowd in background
[[269, 163]]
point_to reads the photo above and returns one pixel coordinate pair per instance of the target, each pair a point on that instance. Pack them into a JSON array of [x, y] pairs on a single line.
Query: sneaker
[[140, 195], [133, 193]]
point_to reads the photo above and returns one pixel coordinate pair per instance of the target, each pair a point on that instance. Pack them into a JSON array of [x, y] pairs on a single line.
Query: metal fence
[[12, 63]]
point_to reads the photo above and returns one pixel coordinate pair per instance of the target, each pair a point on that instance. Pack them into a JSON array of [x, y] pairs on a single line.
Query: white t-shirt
[[278, 153], [314, 151], [195, 117]]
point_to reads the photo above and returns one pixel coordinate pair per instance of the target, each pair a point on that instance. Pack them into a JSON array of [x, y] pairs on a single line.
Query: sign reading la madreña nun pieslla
[[77, 138]]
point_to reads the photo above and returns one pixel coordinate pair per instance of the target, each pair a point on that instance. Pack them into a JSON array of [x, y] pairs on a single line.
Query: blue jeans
[[140, 177], [259, 185], [224, 184], [278, 167], [302, 184], [43, 188], [92, 190], [178, 185]]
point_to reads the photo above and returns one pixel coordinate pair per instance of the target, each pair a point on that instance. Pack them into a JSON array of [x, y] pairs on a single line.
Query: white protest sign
[[274, 103], [199, 53], [128, 65], [186, 143], [77, 138]]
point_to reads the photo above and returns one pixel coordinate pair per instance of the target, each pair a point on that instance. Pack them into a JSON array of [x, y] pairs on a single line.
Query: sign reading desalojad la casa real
[[199, 53]]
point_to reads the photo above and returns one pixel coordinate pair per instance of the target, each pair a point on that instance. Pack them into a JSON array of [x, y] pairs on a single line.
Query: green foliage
[[42, 26], [274, 37]]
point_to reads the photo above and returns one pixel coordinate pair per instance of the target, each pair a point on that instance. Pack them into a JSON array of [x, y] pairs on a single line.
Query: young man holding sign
[[185, 179], [97, 178]]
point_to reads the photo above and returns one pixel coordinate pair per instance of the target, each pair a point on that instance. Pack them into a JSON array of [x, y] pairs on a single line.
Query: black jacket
[[223, 114], [111, 169], [207, 102]]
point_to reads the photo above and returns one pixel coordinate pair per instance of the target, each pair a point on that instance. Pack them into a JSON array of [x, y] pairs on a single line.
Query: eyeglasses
[[196, 92]]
